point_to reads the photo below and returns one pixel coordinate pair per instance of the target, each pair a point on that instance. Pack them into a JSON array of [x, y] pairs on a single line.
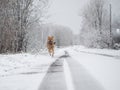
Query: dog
[[51, 45]]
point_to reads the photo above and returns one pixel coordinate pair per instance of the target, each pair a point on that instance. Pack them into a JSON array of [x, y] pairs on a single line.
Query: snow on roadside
[[20, 63], [21, 82], [23, 71], [110, 52]]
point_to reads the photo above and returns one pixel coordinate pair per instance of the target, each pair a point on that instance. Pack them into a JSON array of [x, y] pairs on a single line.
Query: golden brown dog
[[50, 45]]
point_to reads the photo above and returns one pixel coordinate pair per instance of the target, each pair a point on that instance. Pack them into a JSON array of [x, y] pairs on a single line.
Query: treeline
[[38, 36], [16, 17], [96, 26]]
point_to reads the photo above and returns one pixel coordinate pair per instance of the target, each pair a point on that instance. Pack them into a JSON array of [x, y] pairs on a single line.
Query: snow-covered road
[[67, 74], [76, 68], [102, 64]]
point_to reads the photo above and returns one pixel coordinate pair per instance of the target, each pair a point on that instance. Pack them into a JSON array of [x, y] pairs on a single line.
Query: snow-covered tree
[[16, 18], [95, 29]]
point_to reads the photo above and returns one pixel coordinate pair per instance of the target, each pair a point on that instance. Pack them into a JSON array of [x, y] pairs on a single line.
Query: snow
[[23, 71], [107, 52], [68, 77], [21, 82], [100, 64], [26, 71], [20, 63]]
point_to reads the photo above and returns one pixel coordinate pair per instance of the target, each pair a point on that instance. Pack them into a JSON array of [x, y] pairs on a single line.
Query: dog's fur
[[51, 45]]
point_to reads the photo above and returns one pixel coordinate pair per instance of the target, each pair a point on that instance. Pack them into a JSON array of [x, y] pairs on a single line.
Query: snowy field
[[26, 71]]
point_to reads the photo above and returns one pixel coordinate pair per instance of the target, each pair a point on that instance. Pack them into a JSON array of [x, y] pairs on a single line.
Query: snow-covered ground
[[102, 64], [23, 71], [104, 52], [26, 71]]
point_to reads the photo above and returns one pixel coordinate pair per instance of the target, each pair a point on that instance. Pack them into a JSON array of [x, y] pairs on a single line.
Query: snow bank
[[20, 63], [23, 71], [107, 52]]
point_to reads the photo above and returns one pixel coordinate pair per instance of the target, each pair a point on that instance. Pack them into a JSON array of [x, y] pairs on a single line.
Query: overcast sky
[[115, 7], [65, 12]]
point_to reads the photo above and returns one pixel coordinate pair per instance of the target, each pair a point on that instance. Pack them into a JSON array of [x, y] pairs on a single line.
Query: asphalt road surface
[[67, 74]]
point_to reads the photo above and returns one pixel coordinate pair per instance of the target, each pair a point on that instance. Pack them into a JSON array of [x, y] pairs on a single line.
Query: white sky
[[66, 12]]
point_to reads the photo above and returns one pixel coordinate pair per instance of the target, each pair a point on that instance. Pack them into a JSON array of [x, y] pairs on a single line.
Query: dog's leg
[[49, 52], [52, 52]]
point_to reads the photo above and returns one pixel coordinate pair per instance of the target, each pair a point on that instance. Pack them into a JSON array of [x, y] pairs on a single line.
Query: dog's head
[[50, 38]]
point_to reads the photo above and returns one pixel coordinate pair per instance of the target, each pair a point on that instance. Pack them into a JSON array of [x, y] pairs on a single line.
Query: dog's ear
[[48, 37]]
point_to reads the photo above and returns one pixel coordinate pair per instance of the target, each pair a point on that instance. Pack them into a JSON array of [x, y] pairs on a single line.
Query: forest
[[24, 26]]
